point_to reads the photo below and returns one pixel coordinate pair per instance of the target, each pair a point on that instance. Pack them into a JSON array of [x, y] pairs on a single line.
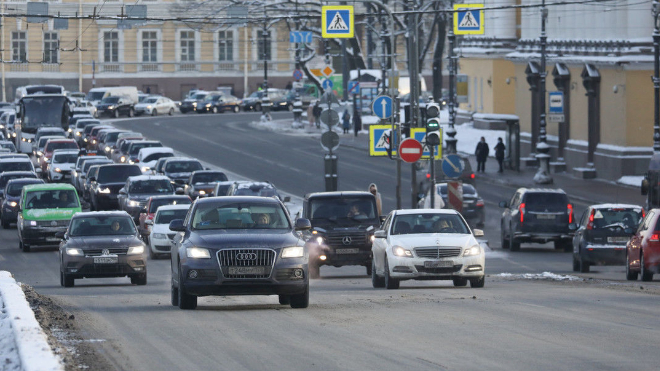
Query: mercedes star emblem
[[347, 240]]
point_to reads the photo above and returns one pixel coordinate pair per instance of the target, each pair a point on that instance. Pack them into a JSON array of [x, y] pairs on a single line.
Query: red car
[[52, 145], [643, 249], [149, 211]]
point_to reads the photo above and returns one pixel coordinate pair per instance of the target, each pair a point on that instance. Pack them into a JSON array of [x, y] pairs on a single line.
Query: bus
[[35, 111], [23, 91]]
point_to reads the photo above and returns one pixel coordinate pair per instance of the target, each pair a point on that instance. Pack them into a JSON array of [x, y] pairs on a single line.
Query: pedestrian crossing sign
[[468, 19], [378, 141], [337, 21]]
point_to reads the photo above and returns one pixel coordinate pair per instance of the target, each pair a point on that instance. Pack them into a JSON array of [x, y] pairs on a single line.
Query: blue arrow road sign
[[353, 87], [300, 37], [452, 166], [382, 107], [327, 84]]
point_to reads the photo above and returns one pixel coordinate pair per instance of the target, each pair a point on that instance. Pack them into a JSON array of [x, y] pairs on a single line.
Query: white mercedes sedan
[[427, 244]]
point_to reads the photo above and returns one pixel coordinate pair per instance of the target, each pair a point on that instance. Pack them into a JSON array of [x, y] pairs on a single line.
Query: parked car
[[149, 211], [254, 100], [160, 238], [137, 190], [154, 105], [643, 249], [239, 246], [116, 106], [105, 185], [202, 183], [99, 245], [12, 198], [537, 215], [602, 234]]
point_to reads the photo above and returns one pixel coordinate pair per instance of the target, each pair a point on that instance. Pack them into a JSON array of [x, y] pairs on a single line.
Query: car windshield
[[155, 204], [16, 166], [65, 158], [256, 94], [8, 145], [83, 123], [166, 216], [346, 208], [102, 226], [429, 223], [111, 137], [61, 145], [209, 178], [117, 174], [467, 190], [211, 97], [243, 215], [15, 189], [151, 186], [199, 96], [182, 166], [95, 95], [110, 100], [616, 217], [136, 147], [546, 202], [157, 156], [51, 199], [263, 190], [43, 111], [150, 100], [95, 161]]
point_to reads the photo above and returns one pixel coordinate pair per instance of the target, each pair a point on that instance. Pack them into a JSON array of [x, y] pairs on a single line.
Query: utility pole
[[413, 71], [656, 75], [370, 39], [542, 148], [451, 131]]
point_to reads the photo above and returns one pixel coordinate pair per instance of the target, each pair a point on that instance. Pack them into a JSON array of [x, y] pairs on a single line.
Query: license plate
[[347, 251], [106, 260], [248, 270], [545, 216], [53, 239], [617, 239], [438, 264]]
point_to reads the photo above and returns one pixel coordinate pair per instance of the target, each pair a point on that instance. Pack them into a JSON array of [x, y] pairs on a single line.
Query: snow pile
[[549, 276], [8, 353], [631, 180], [31, 342]]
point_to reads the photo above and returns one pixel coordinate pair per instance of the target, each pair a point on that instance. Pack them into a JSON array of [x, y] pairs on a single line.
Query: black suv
[[537, 215], [116, 106], [105, 186], [343, 224]]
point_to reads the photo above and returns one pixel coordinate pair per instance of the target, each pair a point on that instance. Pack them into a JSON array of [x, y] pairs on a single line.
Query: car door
[[379, 245]]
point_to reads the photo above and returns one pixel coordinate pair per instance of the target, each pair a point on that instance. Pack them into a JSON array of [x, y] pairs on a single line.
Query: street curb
[[33, 349]]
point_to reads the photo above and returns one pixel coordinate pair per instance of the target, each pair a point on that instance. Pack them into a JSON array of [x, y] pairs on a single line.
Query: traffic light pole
[[451, 131], [656, 76]]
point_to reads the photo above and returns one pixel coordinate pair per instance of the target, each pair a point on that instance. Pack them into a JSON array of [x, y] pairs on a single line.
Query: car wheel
[[152, 255], [314, 271], [257, 107], [68, 280], [459, 281], [171, 112], [215, 109], [376, 280], [5, 224], [236, 109], [390, 283], [513, 244], [630, 275], [505, 242], [26, 247], [369, 268], [154, 112], [131, 113], [140, 279], [300, 300], [116, 113], [186, 301], [576, 264], [478, 282], [584, 266], [174, 296], [646, 274], [61, 278], [285, 299], [96, 114]]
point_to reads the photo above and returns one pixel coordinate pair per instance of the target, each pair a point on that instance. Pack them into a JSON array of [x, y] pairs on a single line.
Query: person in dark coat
[[499, 153], [346, 121], [317, 114], [357, 122], [482, 154]]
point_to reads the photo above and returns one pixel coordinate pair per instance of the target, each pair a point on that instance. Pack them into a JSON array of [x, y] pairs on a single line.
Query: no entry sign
[[411, 150]]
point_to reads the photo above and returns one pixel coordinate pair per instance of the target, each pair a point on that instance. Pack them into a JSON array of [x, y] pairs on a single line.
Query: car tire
[[131, 112], [369, 268], [5, 224], [257, 107], [477, 283], [25, 247], [236, 109], [390, 282], [584, 266], [186, 301], [645, 273], [171, 112], [459, 281], [630, 275], [376, 281], [576, 264], [505, 242], [301, 300], [116, 113], [215, 110], [285, 299], [174, 296], [314, 271], [513, 244], [61, 278], [140, 279], [68, 280], [152, 255]]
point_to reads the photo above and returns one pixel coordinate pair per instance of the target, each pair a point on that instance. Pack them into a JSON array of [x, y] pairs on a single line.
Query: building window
[[226, 45], [19, 46], [111, 46], [51, 47], [263, 51], [149, 46], [187, 46]]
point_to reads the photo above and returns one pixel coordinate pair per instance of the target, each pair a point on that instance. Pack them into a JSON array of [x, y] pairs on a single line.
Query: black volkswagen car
[[102, 244], [239, 246]]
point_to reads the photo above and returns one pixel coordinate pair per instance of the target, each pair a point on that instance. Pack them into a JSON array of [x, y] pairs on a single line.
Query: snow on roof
[[425, 211], [174, 207], [616, 206], [148, 177]]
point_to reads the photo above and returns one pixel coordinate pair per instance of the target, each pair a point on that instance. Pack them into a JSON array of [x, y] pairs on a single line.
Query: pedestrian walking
[[346, 121], [482, 154], [499, 153], [373, 189], [310, 114], [357, 122], [317, 114]]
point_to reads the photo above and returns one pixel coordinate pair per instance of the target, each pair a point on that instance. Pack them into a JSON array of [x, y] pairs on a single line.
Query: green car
[[44, 210]]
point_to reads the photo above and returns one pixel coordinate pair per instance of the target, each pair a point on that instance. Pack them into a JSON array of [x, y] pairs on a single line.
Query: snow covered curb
[[33, 349], [549, 276]]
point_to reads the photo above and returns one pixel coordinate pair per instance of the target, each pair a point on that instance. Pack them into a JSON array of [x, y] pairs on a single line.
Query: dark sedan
[[473, 205], [102, 244], [239, 246], [136, 192], [116, 106], [602, 235], [218, 103], [105, 185], [12, 197]]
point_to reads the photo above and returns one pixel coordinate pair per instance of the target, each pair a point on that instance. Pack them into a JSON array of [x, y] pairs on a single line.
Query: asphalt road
[[511, 324]]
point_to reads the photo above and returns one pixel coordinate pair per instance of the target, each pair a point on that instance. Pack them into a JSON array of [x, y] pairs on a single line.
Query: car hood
[[64, 166], [12, 198], [144, 105], [145, 196], [161, 228], [433, 239], [50, 214], [245, 238], [94, 242], [106, 105]]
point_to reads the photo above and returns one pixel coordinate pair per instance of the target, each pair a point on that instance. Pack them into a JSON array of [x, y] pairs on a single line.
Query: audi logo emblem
[[347, 240], [246, 256], [105, 252]]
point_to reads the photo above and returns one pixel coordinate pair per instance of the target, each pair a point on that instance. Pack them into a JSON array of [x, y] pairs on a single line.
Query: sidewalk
[[589, 191]]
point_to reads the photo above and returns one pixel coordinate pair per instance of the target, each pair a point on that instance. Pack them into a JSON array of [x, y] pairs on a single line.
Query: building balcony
[[50, 67], [222, 67], [110, 67], [18, 67]]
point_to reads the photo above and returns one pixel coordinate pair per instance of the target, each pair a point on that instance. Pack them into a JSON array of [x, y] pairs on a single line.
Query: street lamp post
[[656, 75], [542, 148], [265, 100], [451, 131]]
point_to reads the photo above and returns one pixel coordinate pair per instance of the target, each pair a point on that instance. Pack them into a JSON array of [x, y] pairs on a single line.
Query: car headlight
[[13, 135], [33, 223], [194, 104], [400, 251], [160, 235], [148, 107], [70, 130], [13, 204], [145, 169], [39, 153], [111, 107], [122, 159], [78, 133], [135, 250], [471, 251], [74, 251], [23, 139], [372, 238], [131, 162], [202, 192], [58, 170], [104, 190], [107, 149], [133, 203], [198, 253], [319, 240], [208, 104], [293, 252], [93, 141]]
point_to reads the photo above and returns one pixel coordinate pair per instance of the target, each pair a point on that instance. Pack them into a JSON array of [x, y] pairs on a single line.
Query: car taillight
[[522, 212], [150, 216], [570, 213], [655, 237], [590, 224], [428, 176], [643, 213], [472, 175], [480, 203]]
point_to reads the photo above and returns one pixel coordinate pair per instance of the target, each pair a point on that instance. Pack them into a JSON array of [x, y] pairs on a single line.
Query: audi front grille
[[246, 258]]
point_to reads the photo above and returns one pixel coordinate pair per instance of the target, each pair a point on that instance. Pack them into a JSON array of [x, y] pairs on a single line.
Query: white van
[[95, 95]]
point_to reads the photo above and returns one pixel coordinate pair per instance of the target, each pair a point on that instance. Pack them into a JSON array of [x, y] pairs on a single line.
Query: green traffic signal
[[432, 125]]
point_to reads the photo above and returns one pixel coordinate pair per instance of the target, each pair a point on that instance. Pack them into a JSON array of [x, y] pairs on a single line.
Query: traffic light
[[432, 124]]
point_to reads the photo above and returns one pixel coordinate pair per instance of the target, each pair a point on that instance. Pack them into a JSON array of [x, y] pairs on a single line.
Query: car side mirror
[[179, 191], [122, 191], [380, 234], [303, 224], [504, 204], [92, 178], [176, 225], [629, 231], [287, 199], [60, 234], [572, 227], [478, 232]]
